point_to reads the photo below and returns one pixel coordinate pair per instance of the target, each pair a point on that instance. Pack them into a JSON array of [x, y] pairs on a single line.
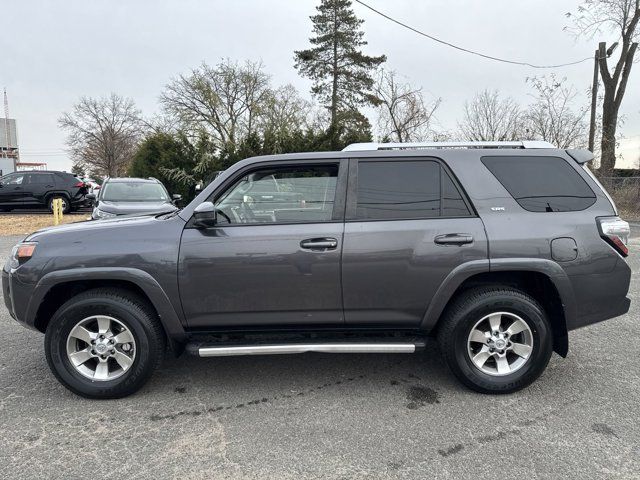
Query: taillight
[[615, 232], [79, 185]]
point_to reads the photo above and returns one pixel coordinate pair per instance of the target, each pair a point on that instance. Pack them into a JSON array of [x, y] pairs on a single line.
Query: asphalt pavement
[[329, 416]]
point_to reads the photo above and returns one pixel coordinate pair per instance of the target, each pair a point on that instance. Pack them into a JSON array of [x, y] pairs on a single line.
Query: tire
[[474, 310], [127, 312], [66, 208]]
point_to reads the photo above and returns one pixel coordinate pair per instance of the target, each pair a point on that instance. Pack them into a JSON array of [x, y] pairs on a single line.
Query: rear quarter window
[[541, 183]]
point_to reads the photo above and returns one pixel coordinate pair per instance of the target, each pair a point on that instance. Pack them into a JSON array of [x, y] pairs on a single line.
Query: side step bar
[[290, 348]]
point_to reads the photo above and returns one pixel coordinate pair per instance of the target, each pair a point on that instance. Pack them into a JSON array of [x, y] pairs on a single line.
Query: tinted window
[[41, 179], [281, 195], [542, 184], [15, 179], [406, 189]]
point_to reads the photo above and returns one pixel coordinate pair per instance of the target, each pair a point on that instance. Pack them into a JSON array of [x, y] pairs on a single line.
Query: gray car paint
[[392, 274]]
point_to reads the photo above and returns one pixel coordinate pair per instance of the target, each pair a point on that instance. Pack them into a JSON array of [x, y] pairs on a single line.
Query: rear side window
[[41, 179], [542, 184], [406, 189]]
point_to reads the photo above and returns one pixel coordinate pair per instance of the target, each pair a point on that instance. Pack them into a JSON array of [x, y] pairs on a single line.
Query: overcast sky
[[53, 52]]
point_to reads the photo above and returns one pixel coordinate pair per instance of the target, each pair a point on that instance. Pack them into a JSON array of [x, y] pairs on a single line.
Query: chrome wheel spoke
[[104, 325], [102, 371], [123, 360], [478, 336], [516, 327], [81, 356], [521, 349], [503, 365], [495, 320], [481, 357], [83, 334], [123, 337]]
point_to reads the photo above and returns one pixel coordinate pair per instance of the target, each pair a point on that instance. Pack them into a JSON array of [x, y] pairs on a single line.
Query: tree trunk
[[608, 143]]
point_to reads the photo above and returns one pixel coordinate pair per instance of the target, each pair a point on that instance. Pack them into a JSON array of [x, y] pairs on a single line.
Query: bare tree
[[103, 133], [226, 101], [552, 116], [491, 118], [403, 115], [620, 17]]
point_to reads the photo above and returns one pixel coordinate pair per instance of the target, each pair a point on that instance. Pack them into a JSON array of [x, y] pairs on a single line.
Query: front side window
[[134, 192], [281, 195], [13, 179], [541, 184], [405, 190]]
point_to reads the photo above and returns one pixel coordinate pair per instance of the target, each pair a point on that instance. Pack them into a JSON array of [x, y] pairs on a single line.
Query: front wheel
[[104, 343], [496, 339]]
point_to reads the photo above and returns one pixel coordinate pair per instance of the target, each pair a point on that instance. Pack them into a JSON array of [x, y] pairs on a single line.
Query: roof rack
[[439, 145]]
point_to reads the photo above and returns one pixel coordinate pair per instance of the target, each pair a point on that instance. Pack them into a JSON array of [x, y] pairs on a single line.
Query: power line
[[466, 50]]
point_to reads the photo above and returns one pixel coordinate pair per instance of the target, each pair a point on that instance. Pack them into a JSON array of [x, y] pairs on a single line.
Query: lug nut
[[492, 349]]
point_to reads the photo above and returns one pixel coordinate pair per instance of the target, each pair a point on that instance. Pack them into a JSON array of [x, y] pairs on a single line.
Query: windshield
[[134, 192]]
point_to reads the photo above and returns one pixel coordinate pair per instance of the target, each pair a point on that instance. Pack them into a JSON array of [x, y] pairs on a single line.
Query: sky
[[54, 52]]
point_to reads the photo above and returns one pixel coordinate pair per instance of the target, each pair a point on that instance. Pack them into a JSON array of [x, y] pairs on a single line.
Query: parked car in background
[[35, 189], [92, 185], [132, 196], [498, 249]]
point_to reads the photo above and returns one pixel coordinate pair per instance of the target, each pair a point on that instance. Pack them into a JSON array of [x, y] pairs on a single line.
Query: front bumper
[[16, 297]]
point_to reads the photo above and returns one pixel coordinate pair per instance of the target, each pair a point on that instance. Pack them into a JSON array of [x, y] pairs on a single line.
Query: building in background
[[9, 153]]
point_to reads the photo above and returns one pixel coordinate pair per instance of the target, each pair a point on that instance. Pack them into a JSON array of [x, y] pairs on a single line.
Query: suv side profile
[[496, 249], [38, 188]]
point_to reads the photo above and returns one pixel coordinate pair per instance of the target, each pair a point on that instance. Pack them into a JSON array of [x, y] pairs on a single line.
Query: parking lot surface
[[329, 416]]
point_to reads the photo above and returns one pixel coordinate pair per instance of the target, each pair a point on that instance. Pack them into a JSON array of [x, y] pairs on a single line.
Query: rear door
[[36, 187], [408, 225]]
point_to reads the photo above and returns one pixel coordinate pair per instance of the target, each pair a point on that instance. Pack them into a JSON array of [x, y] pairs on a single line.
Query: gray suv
[[497, 250]]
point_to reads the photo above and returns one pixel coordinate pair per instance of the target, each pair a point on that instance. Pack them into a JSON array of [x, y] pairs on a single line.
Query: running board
[[290, 348]]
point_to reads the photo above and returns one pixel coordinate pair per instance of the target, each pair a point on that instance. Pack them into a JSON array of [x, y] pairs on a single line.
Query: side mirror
[[176, 197], [90, 196], [204, 215]]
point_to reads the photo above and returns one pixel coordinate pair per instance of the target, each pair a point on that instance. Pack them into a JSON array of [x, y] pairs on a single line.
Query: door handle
[[453, 239], [319, 244]]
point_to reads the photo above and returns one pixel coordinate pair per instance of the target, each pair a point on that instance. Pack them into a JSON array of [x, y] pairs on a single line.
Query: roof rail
[[439, 145]]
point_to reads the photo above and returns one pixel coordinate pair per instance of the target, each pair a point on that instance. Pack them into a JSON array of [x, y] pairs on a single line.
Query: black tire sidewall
[[542, 344], [55, 345]]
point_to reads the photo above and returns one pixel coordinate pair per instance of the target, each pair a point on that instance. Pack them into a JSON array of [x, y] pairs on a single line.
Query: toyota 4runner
[[496, 249]]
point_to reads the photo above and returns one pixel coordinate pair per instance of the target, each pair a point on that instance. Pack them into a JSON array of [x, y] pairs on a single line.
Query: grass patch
[[26, 224]]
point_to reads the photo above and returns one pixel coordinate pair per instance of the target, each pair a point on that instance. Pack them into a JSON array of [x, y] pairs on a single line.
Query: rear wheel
[[496, 339], [104, 343], [66, 205]]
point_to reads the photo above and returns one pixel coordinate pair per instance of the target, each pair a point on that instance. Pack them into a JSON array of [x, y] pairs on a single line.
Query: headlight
[[21, 253], [101, 214]]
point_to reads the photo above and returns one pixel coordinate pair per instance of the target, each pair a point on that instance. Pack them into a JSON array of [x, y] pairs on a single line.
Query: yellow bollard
[[57, 211]]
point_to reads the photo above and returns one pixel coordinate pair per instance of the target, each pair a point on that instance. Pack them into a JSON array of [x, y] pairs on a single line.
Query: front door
[[273, 257], [407, 227], [12, 190]]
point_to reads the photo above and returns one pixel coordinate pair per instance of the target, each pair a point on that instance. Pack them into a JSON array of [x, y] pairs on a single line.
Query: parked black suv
[[38, 188], [498, 250]]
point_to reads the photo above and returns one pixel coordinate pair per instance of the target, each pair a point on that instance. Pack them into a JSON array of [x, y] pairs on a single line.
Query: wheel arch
[[57, 287], [542, 279]]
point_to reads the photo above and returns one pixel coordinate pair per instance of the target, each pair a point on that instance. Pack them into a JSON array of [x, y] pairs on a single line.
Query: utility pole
[[594, 101]]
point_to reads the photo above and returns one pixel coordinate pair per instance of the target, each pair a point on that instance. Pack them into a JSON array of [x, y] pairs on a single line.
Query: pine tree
[[340, 71]]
